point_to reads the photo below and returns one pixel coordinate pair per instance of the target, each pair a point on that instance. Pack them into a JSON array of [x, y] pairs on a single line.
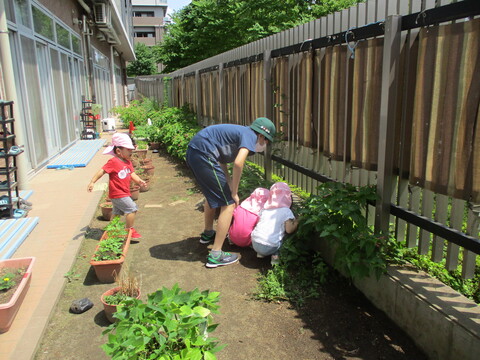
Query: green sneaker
[[207, 239], [224, 258]]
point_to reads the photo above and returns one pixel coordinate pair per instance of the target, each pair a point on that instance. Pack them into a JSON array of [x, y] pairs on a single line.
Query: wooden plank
[[402, 200], [414, 205], [429, 4], [362, 14], [381, 10], [371, 11], [372, 180], [427, 209], [469, 258], [441, 215], [456, 220]]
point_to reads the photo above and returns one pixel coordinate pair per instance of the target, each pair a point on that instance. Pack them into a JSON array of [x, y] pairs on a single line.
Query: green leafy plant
[[71, 276], [397, 252], [297, 278], [97, 109], [173, 127], [7, 281], [172, 324], [116, 228], [142, 145], [129, 288], [337, 214], [135, 113], [111, 247]]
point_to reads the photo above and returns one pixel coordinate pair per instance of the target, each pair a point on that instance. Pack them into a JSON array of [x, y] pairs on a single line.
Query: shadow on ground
[[339, 324]]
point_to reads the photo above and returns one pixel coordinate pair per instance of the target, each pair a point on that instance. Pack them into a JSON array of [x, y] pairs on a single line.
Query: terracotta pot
[[146, 187], [135, 192], [146, 162], [107, 210], [106, 269], [141, 153], [9, 310], [154, 146], [149, 169], [111, 309]]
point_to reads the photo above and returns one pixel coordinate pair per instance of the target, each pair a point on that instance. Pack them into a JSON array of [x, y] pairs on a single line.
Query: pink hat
[[280, 196], [254, 203], [119, 139]]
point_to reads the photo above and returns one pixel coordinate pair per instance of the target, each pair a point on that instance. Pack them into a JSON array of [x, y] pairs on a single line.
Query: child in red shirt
[[120, 171]]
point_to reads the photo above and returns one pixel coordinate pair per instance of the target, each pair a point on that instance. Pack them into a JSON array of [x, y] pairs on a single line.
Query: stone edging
[[441, 321]]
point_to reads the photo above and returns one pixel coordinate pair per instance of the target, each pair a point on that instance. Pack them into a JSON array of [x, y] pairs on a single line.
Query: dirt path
[[341, 324]]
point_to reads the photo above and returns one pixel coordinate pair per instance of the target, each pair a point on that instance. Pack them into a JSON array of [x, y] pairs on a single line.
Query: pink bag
[[245, 217]]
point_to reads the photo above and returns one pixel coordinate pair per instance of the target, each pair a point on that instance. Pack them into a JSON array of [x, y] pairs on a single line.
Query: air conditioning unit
[[102, 15]]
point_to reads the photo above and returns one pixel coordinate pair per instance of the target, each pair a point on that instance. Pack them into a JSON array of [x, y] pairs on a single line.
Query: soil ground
[[340, 324]]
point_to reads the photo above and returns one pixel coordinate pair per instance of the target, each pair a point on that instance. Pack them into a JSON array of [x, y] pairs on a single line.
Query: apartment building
[[148, 21], [53, 54]]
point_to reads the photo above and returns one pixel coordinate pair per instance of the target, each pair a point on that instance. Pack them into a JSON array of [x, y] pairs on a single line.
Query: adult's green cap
[[265, 127]]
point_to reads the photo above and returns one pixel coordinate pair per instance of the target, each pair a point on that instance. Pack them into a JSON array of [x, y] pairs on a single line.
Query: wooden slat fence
[[384, 93]]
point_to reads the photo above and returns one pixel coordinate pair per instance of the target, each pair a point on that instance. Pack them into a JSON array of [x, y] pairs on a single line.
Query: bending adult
[[208, 155]]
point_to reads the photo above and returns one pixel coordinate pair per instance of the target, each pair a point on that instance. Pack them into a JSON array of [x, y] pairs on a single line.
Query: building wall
[[153, 25], [56, 64]]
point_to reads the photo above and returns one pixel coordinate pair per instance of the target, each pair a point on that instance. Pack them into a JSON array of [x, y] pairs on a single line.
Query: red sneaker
[[135, 234]]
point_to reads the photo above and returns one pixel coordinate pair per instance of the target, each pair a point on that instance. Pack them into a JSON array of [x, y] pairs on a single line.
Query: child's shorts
[[210, 178], [266, 250], [122, 206], [243, 224]]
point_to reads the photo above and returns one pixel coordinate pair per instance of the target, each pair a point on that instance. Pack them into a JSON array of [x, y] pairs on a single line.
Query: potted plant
[[110, 253], [146, 161], [107, 208], [145, 177], [153, 137], [141, 150], [127, 288], [148, 169], [134, 191], [172, 324], [96, 110], [15, 277]]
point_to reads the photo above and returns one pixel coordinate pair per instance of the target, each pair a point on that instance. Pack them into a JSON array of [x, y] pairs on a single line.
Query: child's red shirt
[[119, 173]]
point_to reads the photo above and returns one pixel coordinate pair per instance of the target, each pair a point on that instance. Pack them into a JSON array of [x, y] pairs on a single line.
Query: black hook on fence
[[421, 16], [309, 42]]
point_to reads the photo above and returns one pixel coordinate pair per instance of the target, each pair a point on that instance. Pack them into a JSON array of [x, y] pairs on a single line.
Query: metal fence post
[[391, 63], [268, 93]]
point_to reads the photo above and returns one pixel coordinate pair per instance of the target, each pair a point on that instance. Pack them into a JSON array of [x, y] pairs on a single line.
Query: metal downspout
[[11, 93], [112, 70], [85, 6]]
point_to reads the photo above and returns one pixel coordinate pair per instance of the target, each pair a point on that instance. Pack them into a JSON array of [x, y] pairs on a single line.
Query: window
[[143, 14], [22, 15], [42, 23], [76, 45], [63, 36], [145, 34]]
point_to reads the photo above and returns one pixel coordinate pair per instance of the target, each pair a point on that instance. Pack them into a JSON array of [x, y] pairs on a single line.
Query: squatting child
[[246, 216], [120, 171], [276, 220]]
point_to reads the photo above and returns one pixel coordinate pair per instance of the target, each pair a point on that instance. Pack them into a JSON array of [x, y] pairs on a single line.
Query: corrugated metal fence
[[365, 96]]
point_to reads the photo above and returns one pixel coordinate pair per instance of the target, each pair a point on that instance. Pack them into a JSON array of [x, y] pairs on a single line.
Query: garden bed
[[341, 323]]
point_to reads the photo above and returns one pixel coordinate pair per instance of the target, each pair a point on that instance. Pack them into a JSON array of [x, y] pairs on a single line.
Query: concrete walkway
[[65, 208]]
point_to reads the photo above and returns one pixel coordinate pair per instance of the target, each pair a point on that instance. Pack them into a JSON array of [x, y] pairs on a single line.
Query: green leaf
[[202, 311]]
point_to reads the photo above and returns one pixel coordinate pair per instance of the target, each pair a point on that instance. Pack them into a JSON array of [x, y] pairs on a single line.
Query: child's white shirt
[[270, 229]]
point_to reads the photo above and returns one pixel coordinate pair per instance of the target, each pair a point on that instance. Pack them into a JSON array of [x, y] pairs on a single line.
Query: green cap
[[265, 127]]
